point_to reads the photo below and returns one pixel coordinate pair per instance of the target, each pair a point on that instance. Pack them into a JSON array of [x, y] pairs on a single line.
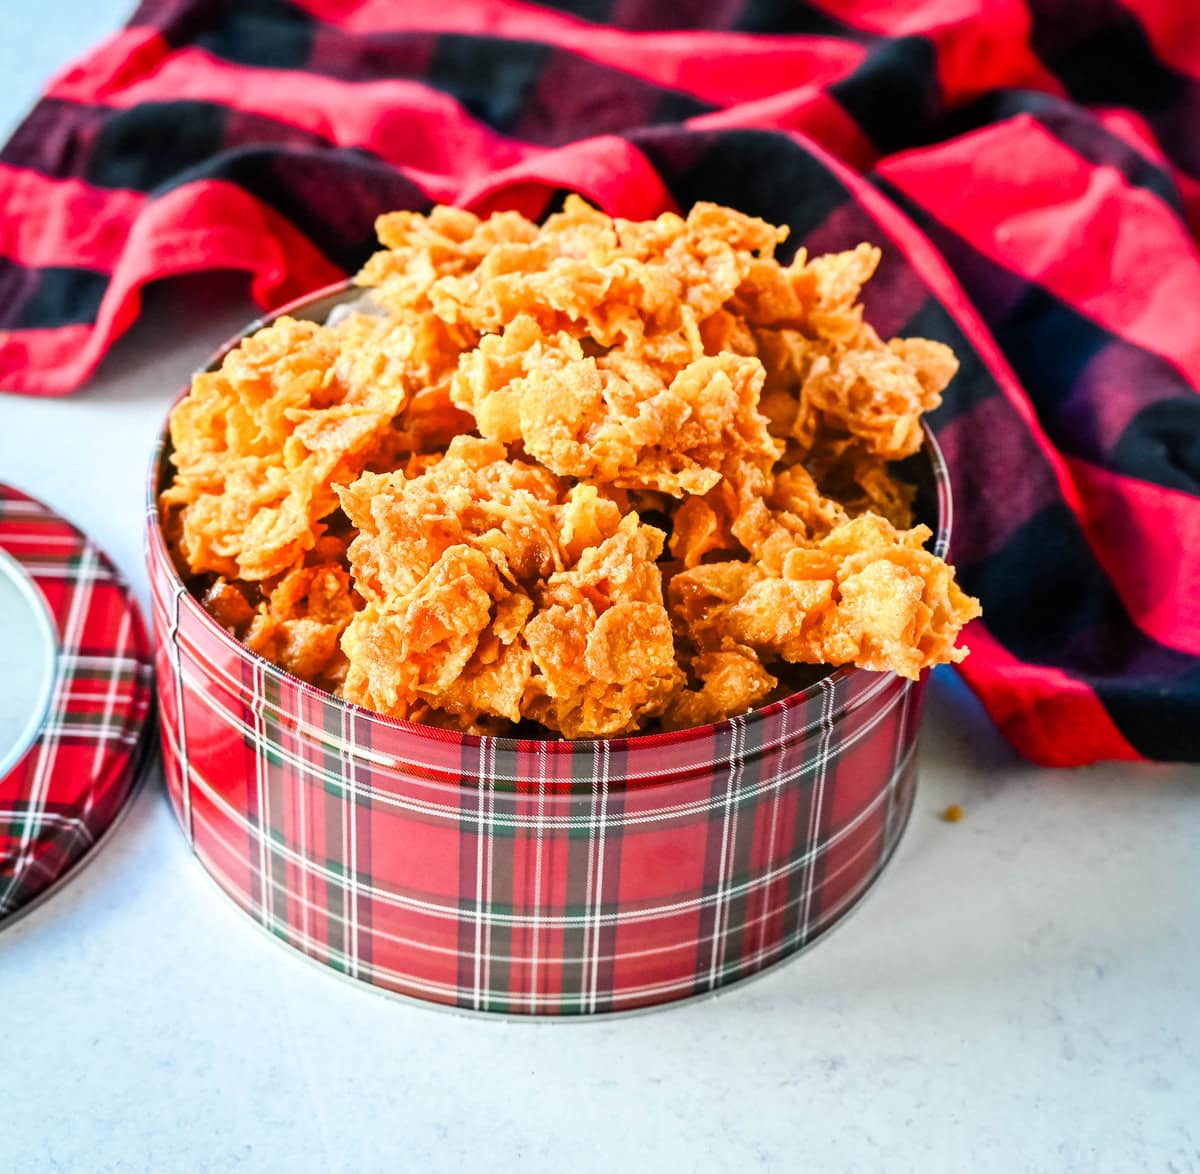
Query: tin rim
[[335, 294]]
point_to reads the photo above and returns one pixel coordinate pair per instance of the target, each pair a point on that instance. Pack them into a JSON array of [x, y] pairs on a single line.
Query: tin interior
[[29, 663], [925, 470]]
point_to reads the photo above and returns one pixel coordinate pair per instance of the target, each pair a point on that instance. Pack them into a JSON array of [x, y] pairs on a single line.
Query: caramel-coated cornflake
[[492, 589], [602, 639], [300, 624], [731, 682], [876, 393], [614, 422], [258, 445], [865, 594]]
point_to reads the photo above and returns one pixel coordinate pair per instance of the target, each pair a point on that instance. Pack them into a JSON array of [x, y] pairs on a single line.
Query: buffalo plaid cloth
[[1036, 161], [72, 782]]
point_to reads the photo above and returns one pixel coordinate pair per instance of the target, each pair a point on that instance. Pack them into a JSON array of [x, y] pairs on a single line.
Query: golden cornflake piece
[[732, 681], [865, 594], [420, 250], [491, 589], [614, 281], [872, 391], [300, 624], [612, 422], [859, 482], [415, 647], [602, 639], [258, 445], [762, 514]]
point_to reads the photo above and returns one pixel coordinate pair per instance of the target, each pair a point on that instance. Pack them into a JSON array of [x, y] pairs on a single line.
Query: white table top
[[1022, 992]]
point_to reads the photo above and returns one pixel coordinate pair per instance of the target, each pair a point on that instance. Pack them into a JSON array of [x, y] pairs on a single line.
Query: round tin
[[74, 698], [529, 877]]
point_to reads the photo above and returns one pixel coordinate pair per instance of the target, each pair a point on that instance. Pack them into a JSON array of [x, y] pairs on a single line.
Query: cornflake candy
[[599, 475]]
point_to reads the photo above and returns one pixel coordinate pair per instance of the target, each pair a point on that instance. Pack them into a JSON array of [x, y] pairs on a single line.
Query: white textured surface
[[1022, 992]]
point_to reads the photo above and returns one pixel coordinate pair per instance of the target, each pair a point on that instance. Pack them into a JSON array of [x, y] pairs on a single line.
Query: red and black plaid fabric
[[1037, 163], [66, 789]]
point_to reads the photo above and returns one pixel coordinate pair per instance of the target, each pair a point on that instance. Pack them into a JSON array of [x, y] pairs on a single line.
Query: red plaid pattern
[[541, 877], [73, 780]]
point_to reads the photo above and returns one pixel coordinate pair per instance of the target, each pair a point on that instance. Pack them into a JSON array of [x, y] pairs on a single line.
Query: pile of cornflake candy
[[588, 478]]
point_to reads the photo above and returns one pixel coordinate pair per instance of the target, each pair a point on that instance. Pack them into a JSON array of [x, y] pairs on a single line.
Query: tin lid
[[75, 690]]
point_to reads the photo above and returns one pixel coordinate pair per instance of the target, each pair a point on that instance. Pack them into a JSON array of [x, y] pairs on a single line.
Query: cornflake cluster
[[599, 475]]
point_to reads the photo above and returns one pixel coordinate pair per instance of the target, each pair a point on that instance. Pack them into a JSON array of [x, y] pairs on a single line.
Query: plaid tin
[[527, 877], [73, 780]]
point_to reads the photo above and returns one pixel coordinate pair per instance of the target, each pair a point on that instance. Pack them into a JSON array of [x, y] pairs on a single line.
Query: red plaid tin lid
[[75, 689]]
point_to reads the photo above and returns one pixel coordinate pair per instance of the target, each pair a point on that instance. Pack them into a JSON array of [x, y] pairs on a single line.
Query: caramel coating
[[602, 475]]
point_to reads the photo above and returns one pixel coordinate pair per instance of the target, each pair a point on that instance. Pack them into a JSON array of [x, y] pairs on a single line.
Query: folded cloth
[[1031, 169]]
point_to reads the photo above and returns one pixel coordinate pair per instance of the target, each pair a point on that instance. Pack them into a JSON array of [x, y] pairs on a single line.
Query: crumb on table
[[953, 813]]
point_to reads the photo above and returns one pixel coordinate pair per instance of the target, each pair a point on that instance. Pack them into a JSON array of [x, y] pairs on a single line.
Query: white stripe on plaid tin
[[539, 835], [185, 789], [489, 921], [110, 700], [775, 800], [25, 508], [40, 570], [262, 802], [737, 739], [818, 796], [350, 841], [479, 845], [596, 838], [305, 847]]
